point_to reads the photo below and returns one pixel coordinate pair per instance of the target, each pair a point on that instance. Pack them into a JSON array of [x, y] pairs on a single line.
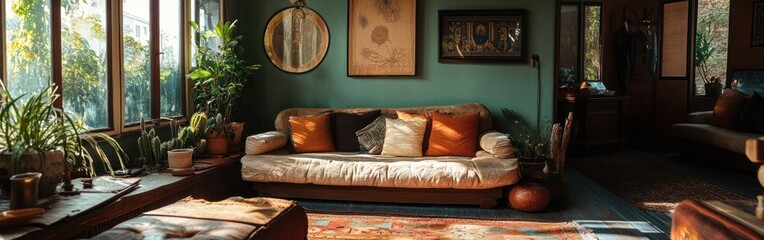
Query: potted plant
[[149, 146], [704, 51], [189, 137], [37, 137], [218, 135], [531, 144], [219, 75]]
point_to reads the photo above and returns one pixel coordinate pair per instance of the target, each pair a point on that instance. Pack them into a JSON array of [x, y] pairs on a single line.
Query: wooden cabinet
[[598, 120]]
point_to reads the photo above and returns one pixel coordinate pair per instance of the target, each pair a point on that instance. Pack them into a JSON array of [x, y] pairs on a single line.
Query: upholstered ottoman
[[233, 218]]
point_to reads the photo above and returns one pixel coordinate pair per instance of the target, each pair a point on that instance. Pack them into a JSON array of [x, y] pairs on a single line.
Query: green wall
[[495, 85]]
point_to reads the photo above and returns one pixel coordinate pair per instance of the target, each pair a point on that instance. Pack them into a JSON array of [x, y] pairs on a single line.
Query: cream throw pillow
[[497, 144], [404, 138], [265, 142]]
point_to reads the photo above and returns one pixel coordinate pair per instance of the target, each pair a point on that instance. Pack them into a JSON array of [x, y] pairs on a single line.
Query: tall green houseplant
[[219, 74]]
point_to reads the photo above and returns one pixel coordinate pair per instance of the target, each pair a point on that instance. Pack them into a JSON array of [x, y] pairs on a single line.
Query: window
[[711, 42], [592, 44], [28, 32], [207, 14], [109, 73], [580, 44], [84, 61]]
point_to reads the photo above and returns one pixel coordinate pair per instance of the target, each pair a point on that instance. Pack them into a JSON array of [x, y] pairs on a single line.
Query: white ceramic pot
[[180, 158]]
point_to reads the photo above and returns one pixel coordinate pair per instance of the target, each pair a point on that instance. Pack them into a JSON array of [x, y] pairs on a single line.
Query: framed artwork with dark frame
[[482, 36], [381, 38], [757, 33]]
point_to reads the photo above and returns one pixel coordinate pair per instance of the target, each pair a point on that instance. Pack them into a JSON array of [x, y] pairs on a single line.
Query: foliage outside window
[[711, 42], [28, 31], [85, 56], [592, 44]]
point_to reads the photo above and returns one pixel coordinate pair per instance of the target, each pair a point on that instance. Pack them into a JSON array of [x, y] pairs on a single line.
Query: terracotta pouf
[[529, 197]]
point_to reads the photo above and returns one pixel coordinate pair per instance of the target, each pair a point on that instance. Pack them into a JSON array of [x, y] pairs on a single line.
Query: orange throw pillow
[[727, 110], [453, 135], [312, 133]]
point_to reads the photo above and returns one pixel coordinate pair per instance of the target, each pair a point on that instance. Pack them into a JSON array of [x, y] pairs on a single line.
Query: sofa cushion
[[453, 135], [427, 116], [486, 123], [712, 135], [497, 144], [372, 137], [404, 137], [348, 169], [752, 115], [312, 133], [265, 142], [727, 110], [345, 125]]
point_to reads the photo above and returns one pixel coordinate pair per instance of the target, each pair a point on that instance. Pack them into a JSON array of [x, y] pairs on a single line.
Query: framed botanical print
[[381, 38], [482, 35]]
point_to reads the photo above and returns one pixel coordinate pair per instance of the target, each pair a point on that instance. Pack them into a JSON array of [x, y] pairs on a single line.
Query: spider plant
[[30, 124]]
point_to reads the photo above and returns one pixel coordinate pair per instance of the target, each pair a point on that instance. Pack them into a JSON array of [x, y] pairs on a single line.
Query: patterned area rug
[[647, 185], [345, 226]]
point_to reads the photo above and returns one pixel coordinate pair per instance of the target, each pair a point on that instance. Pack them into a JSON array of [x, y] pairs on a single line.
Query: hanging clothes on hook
[[624, 57]]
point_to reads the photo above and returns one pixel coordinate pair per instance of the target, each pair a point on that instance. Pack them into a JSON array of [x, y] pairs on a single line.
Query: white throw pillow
[[404, 138], [265, 142]]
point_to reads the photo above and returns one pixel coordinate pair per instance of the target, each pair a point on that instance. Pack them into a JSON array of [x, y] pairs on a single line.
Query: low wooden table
[[155, 191]]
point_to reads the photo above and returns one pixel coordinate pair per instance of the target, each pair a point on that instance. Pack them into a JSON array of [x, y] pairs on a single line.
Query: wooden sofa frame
[[485, 198]]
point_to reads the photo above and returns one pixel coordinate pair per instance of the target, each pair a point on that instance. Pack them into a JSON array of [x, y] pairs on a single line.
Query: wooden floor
[[587, 204]]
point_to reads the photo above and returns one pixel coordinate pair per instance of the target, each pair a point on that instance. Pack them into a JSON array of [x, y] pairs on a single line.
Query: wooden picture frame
[[757, 25], [296, 39], [381, 38], [482, 36], [675, 26]]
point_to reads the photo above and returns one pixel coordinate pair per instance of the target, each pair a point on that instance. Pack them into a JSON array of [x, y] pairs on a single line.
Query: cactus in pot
[[149, 146]]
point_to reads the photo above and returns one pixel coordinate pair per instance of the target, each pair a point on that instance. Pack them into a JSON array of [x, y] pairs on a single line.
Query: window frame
[[115, 63]]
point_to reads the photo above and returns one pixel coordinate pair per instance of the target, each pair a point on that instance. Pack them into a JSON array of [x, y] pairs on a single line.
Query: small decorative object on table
[[24, 190]]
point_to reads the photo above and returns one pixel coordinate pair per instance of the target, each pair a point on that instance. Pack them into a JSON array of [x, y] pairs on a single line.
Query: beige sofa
[[377, 178], [700, 139]]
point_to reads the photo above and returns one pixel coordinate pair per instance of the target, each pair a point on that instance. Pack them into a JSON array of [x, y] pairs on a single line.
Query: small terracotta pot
[[180, 158], [217, 145]]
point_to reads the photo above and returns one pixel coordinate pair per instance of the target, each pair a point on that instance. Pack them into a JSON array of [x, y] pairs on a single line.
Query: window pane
[[568, 71], [28, 37], [135, 20], [206, 13], [711, 41], [83, 34], [170, 73], [592, 45]]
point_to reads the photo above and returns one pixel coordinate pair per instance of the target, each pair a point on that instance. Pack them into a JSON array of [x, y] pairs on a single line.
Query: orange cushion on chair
[[453, 135], [312, 133]]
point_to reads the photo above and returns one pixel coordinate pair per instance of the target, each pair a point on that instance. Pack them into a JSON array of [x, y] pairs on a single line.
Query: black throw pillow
[[346, 124], [751, 118]]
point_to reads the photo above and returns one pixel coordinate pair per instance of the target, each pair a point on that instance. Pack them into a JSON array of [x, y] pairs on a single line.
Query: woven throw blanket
[[255, 211]]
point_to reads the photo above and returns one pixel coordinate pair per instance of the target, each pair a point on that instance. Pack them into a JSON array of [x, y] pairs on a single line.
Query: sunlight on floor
[[605, 229]]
